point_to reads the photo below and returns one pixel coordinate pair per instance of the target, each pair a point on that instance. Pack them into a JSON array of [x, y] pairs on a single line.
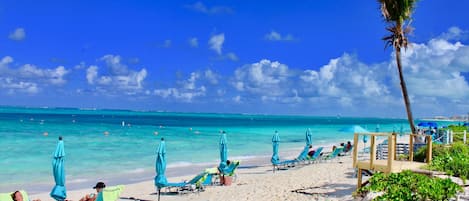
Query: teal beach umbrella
[[223, 152], [59, 192], [160, 166], [275, 143], [377, 128], [309, 137], [354, 129]]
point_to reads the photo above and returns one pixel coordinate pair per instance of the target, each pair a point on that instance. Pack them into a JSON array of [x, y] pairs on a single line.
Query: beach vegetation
[[407, 185], [396, 14]]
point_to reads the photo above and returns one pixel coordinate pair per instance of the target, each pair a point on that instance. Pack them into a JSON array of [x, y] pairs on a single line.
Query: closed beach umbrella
[[377, 128], [309, 137], [275, 144], [160, 179], [59, 192], [401, 130], [223, 151]]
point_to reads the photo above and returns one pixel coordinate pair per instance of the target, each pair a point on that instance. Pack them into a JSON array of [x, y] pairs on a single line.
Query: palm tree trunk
[[404, 90]]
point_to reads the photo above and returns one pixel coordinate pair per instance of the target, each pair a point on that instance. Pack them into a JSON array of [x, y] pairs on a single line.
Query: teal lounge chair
[[230, 170], [333, 154], [315, 157], [196, 184], [303, 157], [111, 193]]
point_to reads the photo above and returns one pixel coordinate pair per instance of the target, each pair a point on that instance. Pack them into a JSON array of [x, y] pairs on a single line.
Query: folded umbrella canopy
[[160, 166], [59, 192], [309, 137], [275, 143], [223, 152]]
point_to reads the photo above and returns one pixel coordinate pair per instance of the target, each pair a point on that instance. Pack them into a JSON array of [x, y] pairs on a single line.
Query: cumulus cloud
[[216, 42], [18, 35], [275, 36], [29, 78], [262, 77], [454, 33], [193, 42], [202, 8], [436, 73], [117, 77], [193, 87]]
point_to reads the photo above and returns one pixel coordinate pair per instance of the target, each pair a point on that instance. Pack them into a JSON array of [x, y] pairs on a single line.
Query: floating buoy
[[45, 134], [156, 132], [106, 133]]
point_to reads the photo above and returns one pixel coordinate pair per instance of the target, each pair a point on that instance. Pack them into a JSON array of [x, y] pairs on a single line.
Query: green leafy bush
[[453, 160], [410, 186], [437, 150]]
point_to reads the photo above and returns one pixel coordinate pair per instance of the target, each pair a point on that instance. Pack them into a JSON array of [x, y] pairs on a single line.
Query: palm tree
[[396, 13]]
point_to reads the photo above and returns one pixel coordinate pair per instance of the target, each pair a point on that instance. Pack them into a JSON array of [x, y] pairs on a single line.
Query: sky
[[320, 58]]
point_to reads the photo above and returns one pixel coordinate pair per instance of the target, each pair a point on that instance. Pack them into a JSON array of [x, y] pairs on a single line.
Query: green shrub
[[437, 149], [410, 186], [453, 160]]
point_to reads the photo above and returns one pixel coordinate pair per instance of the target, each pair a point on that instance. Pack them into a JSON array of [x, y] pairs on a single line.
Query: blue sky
[[272, 57]]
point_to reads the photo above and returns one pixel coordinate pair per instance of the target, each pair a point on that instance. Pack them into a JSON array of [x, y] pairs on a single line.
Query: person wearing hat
[[92, 196]]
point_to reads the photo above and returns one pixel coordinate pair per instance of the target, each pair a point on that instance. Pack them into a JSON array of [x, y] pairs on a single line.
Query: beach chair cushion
[[7, 196], [111, 193]]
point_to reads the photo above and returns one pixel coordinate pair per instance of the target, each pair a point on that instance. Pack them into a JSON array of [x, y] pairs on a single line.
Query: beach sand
[[331, 180]]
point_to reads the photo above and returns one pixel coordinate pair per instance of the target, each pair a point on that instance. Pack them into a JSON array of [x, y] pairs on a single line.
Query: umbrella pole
[[159, 193]]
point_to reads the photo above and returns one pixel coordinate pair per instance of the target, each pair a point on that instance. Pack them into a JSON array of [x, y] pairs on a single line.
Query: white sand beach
[[332, 180]]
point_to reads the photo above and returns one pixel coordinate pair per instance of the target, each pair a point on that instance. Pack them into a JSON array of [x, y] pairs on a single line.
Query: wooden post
[[429, 149], [464, 139], [395, 144], [373, 150], [355, 149], [391, 151], [411, 147], [359, 176]]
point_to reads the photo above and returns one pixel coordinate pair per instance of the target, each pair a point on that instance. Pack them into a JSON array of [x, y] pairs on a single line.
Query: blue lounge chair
[[229, 171], [333, 154], [315, 157], [193, 185], [291, 163]]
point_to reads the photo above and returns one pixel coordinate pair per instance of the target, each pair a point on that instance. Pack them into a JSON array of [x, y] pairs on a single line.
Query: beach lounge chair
[[7, 196], [316, 156], [333, 154], [230, 171], [302, 157], [193, 185], [111, 193]]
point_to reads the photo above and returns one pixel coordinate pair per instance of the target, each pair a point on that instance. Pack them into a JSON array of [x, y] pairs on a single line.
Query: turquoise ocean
[[120, 145]]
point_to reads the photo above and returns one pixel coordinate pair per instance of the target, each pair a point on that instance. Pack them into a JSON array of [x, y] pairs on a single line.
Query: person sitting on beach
[[333, 148], [17, 196], [348, 147], [92, 196], [311, 151]]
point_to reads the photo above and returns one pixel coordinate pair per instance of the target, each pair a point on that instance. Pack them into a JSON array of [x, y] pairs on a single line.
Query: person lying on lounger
[[92, 196], [17, 196]]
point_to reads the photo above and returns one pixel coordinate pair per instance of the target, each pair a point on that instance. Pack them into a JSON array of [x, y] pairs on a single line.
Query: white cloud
[[275, 36], [216, 43], [193, 42], [29, 78], [454, 33], [211, 76], [18, 35], [200, 7], [232, 56], [262, 77], [193, 87], [118, 79], [91, 74]]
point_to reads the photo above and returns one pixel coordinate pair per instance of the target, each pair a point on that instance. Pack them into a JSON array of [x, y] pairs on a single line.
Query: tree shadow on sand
[[334, 190]]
